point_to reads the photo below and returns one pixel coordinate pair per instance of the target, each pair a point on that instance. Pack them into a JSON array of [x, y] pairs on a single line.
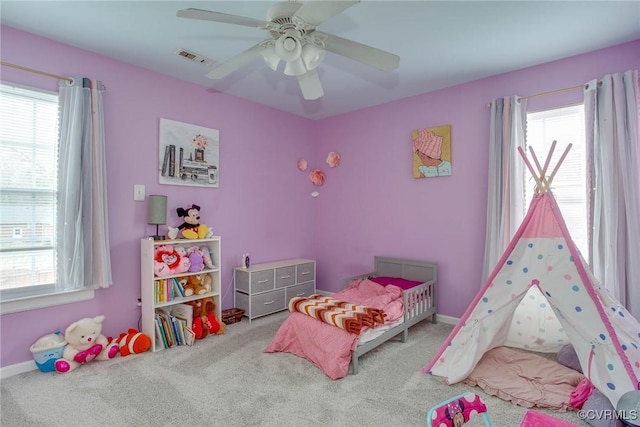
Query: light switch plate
[[138, 192]]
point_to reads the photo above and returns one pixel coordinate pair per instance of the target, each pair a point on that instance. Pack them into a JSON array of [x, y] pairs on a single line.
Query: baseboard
[[18, 368], [441, 318]]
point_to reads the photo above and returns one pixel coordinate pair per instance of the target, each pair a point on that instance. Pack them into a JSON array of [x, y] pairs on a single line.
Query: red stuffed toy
[[133, 342], [205, 322]]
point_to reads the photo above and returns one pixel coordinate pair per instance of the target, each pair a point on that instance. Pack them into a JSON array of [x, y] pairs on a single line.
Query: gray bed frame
[[419, 302]]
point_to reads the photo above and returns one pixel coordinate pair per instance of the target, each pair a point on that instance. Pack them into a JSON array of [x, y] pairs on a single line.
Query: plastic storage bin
[[47, 349]]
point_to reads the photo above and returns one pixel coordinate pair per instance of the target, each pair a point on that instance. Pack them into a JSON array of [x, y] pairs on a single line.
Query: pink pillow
[[397, 281]]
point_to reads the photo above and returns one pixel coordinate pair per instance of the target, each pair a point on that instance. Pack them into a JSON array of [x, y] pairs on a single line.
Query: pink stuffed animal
[[170, 260]]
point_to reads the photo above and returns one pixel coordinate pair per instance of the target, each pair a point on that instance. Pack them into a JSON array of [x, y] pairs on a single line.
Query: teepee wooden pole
[[546, 163], [566, 151], [526, 162], [541, 172]]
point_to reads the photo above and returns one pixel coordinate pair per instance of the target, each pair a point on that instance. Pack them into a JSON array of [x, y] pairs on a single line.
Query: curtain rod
[[31, 70], [566, 89], [551, 92]]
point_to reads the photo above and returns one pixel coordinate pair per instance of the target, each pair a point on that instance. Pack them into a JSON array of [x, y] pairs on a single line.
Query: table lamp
[[157, 213]]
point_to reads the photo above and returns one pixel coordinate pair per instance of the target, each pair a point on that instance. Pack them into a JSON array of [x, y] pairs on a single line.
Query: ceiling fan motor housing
[[280, 14]]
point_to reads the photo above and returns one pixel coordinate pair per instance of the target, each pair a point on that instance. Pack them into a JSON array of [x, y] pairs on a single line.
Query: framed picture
[[431, 151], [189, 154]]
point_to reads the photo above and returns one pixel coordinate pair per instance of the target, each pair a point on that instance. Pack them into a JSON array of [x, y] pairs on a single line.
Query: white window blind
[[28, 183], [569, 186]]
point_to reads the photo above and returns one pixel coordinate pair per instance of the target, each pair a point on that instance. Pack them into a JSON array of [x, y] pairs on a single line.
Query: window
[[28, 175], [569, 186]]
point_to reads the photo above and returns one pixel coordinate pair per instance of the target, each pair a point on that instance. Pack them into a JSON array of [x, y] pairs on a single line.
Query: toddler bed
[[407, 296]]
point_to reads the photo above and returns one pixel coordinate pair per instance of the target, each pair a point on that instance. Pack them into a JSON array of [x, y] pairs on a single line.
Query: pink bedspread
[[329, 347]]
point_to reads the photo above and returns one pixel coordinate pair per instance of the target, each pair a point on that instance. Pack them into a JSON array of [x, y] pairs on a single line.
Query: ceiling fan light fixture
[[295, 67], [312, 55], [270, 57], [288, 47]]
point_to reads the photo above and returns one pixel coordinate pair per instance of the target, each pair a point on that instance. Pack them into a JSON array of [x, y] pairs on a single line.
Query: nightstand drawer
[[285, 276], [303, 290], [261, 281], [306, 272], [268, 302]]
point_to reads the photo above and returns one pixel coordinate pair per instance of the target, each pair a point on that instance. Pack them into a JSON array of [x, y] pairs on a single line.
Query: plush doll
[[191, 227], [85, 343], [195, 285], [196, 258], [133, 342], [205, 321], [206, 255], [170, 260], [207, 282]]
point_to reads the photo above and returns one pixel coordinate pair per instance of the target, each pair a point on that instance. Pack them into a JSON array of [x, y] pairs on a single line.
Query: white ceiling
[[440, 43]]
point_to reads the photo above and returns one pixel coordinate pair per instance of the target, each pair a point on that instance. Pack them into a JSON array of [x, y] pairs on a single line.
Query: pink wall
[[262, 206], [369, 205]]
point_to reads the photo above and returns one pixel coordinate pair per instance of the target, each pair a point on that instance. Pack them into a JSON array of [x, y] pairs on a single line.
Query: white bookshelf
[[148, 279]]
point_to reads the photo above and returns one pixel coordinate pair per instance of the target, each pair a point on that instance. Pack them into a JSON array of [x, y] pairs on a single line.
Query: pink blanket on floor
[[329, 347], [525, 379]]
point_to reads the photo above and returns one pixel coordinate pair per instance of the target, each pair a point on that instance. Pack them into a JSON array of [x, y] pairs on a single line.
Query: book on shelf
[[175, 329], [168, 330], [165, 162], [178, 289], [180, 325], [172, 160], [161, 331], [183, 312], [189, 336]]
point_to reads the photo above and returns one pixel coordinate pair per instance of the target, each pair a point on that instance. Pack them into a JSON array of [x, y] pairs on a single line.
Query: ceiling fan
[[295, 41]]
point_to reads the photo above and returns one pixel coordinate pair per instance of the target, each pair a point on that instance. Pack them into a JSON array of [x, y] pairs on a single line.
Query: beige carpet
[[227, 380]]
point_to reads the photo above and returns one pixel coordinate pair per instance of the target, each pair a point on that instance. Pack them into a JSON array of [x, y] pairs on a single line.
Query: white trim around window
[[42, 301]]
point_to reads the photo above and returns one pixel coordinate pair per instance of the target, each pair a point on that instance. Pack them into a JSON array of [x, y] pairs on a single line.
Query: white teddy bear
[[85, 343]]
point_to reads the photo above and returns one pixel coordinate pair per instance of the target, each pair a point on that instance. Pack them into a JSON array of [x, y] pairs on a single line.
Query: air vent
[[193, 57]]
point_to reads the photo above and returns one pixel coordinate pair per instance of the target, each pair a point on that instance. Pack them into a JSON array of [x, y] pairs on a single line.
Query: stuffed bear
[[195, 285], [132, 342], [205, 321], [170, 260], [191, 227], [85, 343]]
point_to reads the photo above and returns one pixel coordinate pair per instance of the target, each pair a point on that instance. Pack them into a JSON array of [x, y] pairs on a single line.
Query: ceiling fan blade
[[236, 62], [368, 55], [310, 85], [315, 12], [207, 15]]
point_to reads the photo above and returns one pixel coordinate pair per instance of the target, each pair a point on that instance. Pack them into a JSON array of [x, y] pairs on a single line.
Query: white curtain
[[82, 234], [613, 159], [505, 203]]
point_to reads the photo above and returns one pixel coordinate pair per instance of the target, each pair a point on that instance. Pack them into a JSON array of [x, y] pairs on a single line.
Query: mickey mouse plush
[[191, 227]]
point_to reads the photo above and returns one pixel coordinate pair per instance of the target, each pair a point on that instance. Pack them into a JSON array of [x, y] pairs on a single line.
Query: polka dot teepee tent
[[542, 295]]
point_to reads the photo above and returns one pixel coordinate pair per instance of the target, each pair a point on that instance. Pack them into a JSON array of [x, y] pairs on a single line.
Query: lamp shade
[[295, 68], [157, 209], [312, 55], [270, 57], [288, 47]]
